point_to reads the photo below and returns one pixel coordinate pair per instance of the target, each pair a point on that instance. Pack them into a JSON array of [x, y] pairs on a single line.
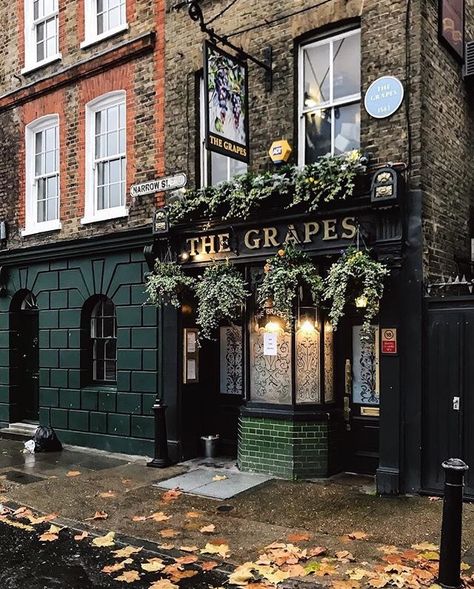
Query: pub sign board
[[451, 16], [226, 94]]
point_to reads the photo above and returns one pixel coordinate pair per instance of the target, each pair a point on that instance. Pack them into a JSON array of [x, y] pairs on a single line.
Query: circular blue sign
[[384, 97]]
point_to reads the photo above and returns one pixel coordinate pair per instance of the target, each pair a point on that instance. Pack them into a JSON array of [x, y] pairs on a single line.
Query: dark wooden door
[[28, 364], [448, 395]]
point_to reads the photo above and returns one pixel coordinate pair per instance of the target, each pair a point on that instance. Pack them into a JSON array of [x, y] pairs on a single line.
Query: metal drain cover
[[14, 476]]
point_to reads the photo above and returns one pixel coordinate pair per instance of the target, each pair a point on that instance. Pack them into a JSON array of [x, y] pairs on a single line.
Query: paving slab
[[201, 482]]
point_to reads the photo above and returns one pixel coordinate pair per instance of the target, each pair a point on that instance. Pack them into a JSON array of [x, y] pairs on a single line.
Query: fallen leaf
[[152, 565], [107, 495], [20, 510], [344, 556], [98, 515], [193, 514], [168, 533], [139, 518], [357, 574], [189, 559], [388, 549], [118, 566], [80, 537], [210, 529], [221, 549], [163, 584], [425, 546], [242, 575], [357, 536], [185, 548], [159, 516], [107, 540], [171, 495], [379, 581], [129, 577], [219, 477], [430, 555], [19, 525], [73, 473], [351, 584], [175, 573], [208, 565], [48, 537], [317, 551], [42, 519], [312, 567], [166, 546], [126, 551], [295, 538]]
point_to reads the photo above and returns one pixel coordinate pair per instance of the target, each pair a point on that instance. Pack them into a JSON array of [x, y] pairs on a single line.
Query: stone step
[[21, 430]]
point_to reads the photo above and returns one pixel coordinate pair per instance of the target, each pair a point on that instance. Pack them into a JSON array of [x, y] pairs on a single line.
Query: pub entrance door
[[211, 386], [448, 393], [361, 400], [25, 357]]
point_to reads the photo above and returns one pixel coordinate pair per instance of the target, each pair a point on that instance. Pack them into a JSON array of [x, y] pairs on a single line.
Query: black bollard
[[451, 531], [161, 459]]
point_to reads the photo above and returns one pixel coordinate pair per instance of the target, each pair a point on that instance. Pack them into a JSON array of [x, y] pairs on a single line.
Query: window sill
[[98, 38], [41, 228], [36, 66], [97, 387], [115, 213]]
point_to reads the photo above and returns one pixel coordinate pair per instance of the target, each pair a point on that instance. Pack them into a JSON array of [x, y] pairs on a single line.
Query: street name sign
[[160, 185]]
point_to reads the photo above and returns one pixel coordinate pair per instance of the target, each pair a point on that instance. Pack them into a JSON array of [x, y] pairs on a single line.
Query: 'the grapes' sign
[[384, 97], [226, 95]]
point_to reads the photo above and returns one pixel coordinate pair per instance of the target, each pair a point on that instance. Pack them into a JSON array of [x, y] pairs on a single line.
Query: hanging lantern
[[308, 319], [361, 302]]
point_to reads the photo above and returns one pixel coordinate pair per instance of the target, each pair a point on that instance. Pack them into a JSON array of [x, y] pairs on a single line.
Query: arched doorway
[[24, 352]]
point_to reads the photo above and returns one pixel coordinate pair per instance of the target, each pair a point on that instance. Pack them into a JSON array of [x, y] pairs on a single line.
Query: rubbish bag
[[30, 446], [46, 440]]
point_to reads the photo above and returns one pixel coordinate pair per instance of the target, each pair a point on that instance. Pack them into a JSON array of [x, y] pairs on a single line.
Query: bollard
[[161, 459], [451, 531]]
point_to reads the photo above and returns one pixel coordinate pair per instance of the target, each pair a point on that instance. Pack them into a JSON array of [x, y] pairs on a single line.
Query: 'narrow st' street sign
[[159, 185]]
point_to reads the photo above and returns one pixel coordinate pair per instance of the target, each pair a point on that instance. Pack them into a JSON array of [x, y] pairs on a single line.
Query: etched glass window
[[230, 339], [270, 375], [365, 368], [103, 333], [308, 366], [330, 96], [328, 363]]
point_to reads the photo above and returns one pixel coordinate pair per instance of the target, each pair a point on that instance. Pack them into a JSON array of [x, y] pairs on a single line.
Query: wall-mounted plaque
[[384, 97], [451, 26]]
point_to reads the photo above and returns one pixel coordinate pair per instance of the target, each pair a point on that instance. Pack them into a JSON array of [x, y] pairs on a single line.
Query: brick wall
[[129, 61]]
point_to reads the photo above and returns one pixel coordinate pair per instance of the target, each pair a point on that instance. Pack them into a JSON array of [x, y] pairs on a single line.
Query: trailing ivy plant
[[355, 275], [288, 270], [166, 284], [221, 292], [328, 179]]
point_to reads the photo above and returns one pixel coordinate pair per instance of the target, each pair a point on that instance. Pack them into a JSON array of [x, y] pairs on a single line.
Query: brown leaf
[[163, 584], [107, 540], [425, 546], [42, 519], [221, 549], [79, 537], [175, 573], [152, 565], [210, 529], [295, 538], [379, 581], [317, 551], [188, 559], [219, 477], [98, 515], [208, 565], [351, 584], [126, 551], [129, 577], [48, 537], [166, 546], [139, 518], [187, 548], [118, 566], [344, 556], [171, 495], [168, 533], [107, 495], [193, 514], [159, 516], [357, 536], [73, 473]]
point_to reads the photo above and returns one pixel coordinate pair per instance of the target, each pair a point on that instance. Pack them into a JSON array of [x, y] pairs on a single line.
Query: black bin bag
[[46, 440]]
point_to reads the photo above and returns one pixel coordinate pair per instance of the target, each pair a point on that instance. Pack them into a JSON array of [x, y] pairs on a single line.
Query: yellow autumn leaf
[[221, 549], [107, 540], [153, 565], [19, 525], [242, 574], [126, 551], [128, 577], [425, 546], [219, 477], [163, 584]]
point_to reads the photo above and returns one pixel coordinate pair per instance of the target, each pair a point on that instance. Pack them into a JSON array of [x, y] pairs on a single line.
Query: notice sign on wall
[[389, 341], [270, 344], [226, 91]]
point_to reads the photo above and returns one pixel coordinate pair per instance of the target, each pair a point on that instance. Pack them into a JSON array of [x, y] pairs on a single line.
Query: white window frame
[[90, 25], [205, 155], [31, 201], [329, 104], [91, 213], [31, 61]]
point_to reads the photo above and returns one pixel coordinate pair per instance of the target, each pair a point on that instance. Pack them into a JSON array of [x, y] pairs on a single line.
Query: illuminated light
[[328, 327], [185, 256], [361, 302], [308, 326], [272, 327]]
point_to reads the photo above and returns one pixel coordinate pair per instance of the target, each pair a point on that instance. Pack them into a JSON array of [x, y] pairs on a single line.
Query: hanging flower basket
[[167, 283], [221, 292], [355, 276], [288, 270]]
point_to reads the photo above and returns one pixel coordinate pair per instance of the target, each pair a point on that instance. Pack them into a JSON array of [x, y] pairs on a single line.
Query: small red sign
[[389, 341]]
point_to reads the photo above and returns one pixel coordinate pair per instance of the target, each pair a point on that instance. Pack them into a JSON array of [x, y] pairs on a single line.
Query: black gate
[[448, 395]]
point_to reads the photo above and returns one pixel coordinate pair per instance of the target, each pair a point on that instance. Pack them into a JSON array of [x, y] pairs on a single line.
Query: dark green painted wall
[[115, 418]]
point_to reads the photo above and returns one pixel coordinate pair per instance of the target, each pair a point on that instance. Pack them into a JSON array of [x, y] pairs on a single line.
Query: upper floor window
[[103, 340], [215, 167], [103, 18], [329, 96], [42, 175], [106, 159], [41, 33]]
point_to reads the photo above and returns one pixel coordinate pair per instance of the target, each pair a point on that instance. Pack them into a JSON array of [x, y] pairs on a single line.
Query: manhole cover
[[225, 508], [21, 478]]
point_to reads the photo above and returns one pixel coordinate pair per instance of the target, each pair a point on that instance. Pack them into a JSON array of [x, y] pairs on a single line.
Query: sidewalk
[[357, 529]]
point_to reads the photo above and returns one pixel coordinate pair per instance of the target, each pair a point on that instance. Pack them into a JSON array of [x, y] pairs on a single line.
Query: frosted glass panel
[[365, 368], [308, 366], [231, 360], [270, 376], [328, 363]]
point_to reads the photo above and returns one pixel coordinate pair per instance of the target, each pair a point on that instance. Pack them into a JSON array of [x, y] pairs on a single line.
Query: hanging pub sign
[[226, 113], [451, 25]]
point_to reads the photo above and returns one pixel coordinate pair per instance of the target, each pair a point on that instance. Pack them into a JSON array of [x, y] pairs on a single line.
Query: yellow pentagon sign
[[280, 151]]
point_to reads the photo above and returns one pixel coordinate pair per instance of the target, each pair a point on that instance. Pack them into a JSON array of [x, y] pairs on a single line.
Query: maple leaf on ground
[[126, 551], [18, 525], [79, 537], [73, 473], [358, 574], [193, 514], [357, 536], [176, 573], [159, 516], [107, 540], [208, 565], [242, 574], [163, 584], [166, 546], [152, 565], [299, 537], [42, 519], [118, 566], [98, 515], [128, 577], [317, 551], [210, 529], [295, 570], [171, 495], [50, 535], [430, 555], [379, 581], [168, 533], [221, 549], [388, 549], [351, 584], [344, 556]]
